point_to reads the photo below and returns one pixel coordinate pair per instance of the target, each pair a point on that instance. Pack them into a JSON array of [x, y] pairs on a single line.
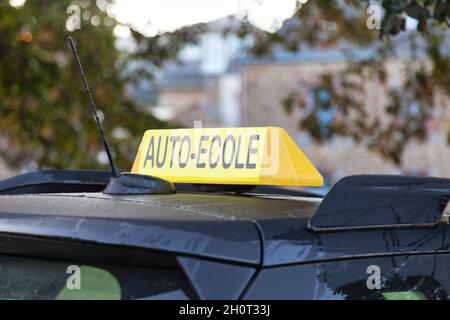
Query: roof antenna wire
[[94, 108]]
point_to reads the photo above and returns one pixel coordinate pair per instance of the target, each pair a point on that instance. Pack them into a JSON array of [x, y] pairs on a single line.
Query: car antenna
[[114, 171], [125, 182]]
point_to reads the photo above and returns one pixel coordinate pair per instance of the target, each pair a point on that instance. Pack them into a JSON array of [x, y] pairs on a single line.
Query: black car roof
[[251, 229], [178, 206], [216, 226]]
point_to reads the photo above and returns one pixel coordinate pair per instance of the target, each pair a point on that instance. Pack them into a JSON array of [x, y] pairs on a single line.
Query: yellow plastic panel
[[256, 156]]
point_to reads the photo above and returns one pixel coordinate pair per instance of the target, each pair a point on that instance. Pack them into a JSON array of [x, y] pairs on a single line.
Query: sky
[[151, 17], [155, 16]]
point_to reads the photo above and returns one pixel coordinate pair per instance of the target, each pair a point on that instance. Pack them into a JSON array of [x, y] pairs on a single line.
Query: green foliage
[[425, 11], [410, 106], [45, 116]]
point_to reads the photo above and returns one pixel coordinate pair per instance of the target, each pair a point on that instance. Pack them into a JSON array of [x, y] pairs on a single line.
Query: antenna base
[[128, 183]]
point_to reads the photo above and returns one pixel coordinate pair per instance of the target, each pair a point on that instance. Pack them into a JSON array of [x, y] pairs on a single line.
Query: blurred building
[[203, 85], [4, 170], [217, 84], [267, 83]]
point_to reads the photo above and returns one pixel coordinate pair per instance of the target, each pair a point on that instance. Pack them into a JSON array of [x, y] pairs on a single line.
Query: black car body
[[196, 245]]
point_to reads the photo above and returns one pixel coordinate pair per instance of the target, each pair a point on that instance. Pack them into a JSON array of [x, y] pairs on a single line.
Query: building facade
[[267, 83]]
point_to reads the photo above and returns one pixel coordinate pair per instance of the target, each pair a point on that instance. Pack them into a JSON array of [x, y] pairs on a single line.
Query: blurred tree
[[45, 117], [348, 23], [407, 115]]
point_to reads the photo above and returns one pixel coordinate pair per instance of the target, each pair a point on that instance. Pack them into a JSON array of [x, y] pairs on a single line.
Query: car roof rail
[[365, 202]]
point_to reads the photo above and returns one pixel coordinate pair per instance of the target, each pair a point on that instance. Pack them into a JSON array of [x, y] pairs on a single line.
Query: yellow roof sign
[[250, 156]]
